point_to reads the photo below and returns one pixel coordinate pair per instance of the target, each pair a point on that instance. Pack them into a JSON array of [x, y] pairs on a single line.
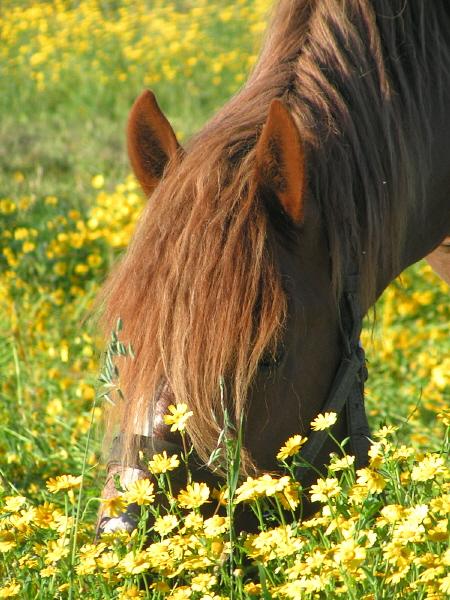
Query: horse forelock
[[199, 292]]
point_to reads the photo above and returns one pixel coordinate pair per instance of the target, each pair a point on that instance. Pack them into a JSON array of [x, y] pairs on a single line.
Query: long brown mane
[[199, 291]]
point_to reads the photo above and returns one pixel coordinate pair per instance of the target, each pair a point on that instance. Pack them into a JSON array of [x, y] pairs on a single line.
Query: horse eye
[[271, 360]]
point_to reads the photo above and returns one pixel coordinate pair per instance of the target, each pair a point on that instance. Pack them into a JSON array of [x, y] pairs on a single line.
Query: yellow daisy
[[161, 463], [166, 524], [139, 492], [11, 589], [135, 563], [291, 447], [178, 416], [114, 506], [62, 482], [324, 421], [194, 495]]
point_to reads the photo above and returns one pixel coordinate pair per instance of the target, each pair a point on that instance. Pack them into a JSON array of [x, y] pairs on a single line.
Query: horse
[[268, 237]]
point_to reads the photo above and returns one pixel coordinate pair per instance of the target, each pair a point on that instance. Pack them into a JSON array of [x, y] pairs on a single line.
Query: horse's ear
[[280, 160], [151, 141]]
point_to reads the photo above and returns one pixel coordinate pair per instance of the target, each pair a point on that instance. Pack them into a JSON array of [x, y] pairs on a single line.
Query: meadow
[[70, 70]]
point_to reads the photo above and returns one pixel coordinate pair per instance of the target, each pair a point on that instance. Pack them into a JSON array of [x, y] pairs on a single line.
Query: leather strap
[[347, 389]]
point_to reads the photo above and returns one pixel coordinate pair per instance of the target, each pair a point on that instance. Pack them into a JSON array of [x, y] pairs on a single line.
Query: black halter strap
[[347, 389]]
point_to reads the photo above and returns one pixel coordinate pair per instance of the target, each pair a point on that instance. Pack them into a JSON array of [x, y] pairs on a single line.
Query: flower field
[[70, 70]]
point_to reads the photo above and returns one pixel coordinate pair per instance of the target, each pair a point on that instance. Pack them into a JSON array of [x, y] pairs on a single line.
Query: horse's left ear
[[151, 141], [280, 160]]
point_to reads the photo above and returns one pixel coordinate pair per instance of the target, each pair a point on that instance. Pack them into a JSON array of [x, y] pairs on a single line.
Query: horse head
[[297, 356]]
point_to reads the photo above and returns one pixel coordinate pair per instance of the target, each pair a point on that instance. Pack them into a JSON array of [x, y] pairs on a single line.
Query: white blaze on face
[[121, 523]]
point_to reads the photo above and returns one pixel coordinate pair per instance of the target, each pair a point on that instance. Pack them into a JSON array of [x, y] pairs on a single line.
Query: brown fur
[[199, 291]]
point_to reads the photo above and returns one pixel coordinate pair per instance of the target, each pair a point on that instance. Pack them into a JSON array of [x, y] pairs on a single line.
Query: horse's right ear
[[280, 160], [151, 141]]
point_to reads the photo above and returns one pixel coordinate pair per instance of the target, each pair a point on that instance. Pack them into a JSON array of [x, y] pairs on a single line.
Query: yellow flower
[[324, 421], [349, 554], [57, 549], [192, 521], [64, 587], [94, 260], [7, 541], [160, 586], [97, 182], [135, 563], [45, 515], [390, 514], [28, 247], [444, 417], [441, 504], [86, 566], [180, 593], [325, 489], [429, 468], [161, 463], [166, 524], [107, 561], [439, 533], [385, 432], [48, 571], [21, 233], [266, 485], [92, 550], [63, 482], [194, 495], [373, 481], [60, 268], [178, 417], [340, 464], [203, 582], [376, 454], [215, 526], [81, 269], [114, 506], [398, 554], [247, 491], [445, 584], [14, 503], [130, 593], [253, 589], [289, 497], [11, 589], [273, 543], [139, 492], [291, 447]]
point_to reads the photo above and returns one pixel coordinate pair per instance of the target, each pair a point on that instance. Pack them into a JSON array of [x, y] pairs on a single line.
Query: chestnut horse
[[334, 159]]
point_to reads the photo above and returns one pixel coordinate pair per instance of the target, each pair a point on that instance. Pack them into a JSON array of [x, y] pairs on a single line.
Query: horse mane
[[199, 291]]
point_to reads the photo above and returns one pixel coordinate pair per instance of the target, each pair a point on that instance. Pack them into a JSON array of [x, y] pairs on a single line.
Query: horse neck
[[429, 223]]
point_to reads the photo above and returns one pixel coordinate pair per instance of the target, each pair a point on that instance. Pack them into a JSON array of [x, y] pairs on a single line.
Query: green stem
[[80, 494]]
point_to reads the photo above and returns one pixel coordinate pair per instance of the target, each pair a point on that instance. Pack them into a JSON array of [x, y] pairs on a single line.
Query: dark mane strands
[[357, 77]]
